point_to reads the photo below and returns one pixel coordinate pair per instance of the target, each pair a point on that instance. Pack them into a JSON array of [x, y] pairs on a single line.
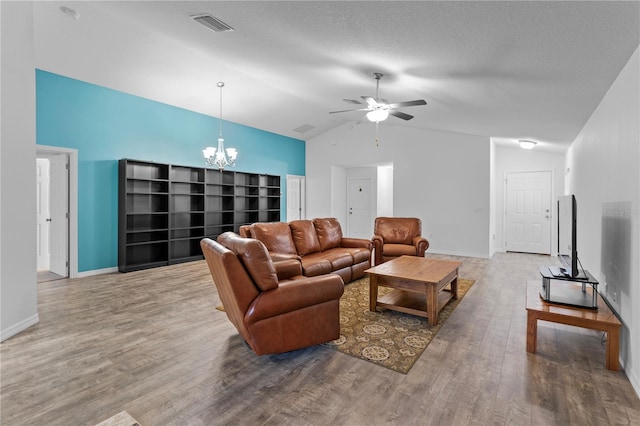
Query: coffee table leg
[[432, 304], [373, 292], [454, 288]]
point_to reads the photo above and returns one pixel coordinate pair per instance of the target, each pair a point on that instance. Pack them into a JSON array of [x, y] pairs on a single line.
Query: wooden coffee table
[[419, 285]]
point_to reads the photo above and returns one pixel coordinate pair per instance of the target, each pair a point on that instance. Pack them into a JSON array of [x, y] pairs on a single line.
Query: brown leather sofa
[[398, 236], [318, 244], [272, 313]]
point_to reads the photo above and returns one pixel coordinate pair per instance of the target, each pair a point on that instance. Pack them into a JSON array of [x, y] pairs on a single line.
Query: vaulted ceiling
[[509, 70]]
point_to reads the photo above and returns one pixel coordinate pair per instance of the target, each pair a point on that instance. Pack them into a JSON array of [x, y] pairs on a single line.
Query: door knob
[[48, 219]]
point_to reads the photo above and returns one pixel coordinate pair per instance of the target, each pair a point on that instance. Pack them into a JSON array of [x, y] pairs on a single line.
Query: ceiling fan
[[380, 109]]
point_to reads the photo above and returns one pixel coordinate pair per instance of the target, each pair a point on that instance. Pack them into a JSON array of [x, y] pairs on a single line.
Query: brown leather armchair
[[398, 236], [274, 312]]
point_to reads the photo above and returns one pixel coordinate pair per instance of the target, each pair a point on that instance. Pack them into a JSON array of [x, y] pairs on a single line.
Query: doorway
[[56, 223], [361, 209], [295, 198], [528, 212]]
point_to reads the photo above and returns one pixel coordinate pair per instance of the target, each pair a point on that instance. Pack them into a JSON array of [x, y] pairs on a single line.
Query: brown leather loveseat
[[318, 244], [272, 313]]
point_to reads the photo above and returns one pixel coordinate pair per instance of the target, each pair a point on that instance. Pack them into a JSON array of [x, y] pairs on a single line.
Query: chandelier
[[220, 157]]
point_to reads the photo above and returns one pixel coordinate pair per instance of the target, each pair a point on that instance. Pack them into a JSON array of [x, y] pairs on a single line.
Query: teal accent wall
[[106, 125]]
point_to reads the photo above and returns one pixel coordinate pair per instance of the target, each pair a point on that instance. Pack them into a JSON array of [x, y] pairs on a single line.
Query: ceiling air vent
[[304, 128], [211, 22]]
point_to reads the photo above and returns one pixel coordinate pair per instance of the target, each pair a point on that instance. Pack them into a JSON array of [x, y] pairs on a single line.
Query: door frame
[[552, 197], [42, 151]]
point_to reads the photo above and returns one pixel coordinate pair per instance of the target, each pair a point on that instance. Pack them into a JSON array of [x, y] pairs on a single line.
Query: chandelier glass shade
[[220, 157]]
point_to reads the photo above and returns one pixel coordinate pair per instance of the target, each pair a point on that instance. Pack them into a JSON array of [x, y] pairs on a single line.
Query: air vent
[[304, 128], [211, 22]]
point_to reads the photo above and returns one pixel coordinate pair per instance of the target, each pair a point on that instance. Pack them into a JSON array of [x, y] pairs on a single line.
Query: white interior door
[[295, 197], [59, 213], [360, 208], [42, 213], [528, 212]]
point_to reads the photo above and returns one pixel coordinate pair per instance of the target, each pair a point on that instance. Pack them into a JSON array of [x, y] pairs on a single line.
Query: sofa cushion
[[276, 236], [304, 237], [338, 258], [358, 254], [398, 250], [253, 255], [329, 232], [314, 264]]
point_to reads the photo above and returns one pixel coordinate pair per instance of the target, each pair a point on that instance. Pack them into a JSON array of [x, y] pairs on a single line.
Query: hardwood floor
[[153, 344]]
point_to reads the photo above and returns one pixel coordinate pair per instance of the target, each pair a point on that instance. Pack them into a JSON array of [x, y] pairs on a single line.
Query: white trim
[[17, 328], [97, 272], [73, 201], [632, 378], [457, 253]]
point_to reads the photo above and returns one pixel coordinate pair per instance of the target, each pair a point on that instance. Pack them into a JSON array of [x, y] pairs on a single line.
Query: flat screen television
[[567, 248]]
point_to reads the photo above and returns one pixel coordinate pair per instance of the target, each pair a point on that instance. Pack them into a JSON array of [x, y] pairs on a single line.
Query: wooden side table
[[602, 319]]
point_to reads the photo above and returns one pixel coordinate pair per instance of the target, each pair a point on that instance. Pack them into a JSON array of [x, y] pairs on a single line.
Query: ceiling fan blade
[[400, 115], [369, 100], [408, 103], [352, 101], [349, 110]]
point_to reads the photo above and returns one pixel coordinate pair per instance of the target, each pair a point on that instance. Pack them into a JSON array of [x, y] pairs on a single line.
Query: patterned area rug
[[391, 339]]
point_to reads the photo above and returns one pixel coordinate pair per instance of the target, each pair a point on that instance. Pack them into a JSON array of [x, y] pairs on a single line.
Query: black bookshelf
[[165, 210]]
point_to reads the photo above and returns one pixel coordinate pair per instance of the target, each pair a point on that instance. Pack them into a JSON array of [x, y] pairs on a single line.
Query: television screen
[[567, 250]]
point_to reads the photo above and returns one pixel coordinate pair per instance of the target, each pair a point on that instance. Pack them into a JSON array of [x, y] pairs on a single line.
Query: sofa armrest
[[287, 268], [292, 295], [421, 244], [378, 242], [356, 243]]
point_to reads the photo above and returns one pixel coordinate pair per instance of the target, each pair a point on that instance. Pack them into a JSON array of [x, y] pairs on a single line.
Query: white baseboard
[[633, 379], [97, 272], [17, 328], [457, 253]]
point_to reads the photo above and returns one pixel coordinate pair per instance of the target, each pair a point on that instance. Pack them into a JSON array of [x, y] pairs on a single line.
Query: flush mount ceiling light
[[220, 157], [525, 144]]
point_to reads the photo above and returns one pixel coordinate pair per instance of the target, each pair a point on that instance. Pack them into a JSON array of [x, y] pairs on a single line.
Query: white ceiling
[[507, 70]]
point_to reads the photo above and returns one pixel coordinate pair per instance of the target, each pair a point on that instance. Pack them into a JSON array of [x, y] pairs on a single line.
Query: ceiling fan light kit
[[377, 115], [380, 109]]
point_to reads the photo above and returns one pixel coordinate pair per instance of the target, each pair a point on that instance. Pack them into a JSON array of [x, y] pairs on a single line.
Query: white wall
[[440, 177], [18, 286], [516, 159], [604, 164], [385, 191]]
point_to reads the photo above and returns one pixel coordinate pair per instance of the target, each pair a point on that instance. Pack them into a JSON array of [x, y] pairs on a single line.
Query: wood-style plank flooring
[[153, 344]]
